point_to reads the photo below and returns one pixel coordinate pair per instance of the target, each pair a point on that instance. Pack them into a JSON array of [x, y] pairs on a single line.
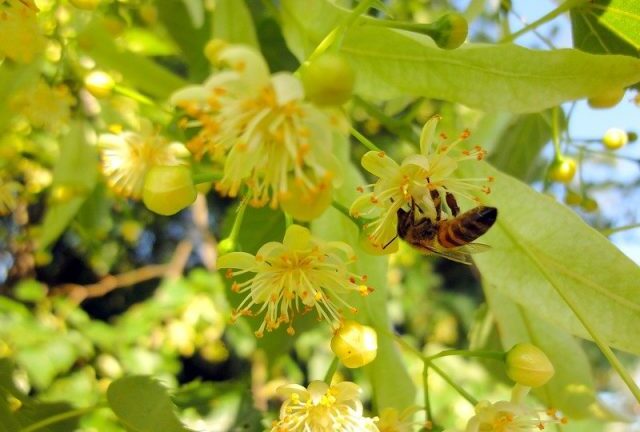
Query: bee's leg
[[437, 203], [453, 204], [390, 241]]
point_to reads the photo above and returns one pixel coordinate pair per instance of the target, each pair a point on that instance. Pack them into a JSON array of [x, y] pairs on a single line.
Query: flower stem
[[452, 383], [428, 363], [333, 367], [288, 220], [564, 7], [235, 230], [609, 231], [364, 140], [496, 355], [425, 384], [60, 417]]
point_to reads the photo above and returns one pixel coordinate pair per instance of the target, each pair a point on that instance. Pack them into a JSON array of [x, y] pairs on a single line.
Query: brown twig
[[173, 269]]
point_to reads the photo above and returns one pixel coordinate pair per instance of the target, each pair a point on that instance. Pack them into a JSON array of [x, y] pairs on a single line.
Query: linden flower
[[418, 178], [8, 192], [128, 156], [322, 408], [20, 36], [45, 106], [296, 276], [506, 416], [258, 125]]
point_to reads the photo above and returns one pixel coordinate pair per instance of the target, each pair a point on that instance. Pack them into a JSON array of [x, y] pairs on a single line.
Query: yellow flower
[[296, 276], [8, 196], [322, 408], [20, 36], [128, 156], [45, 106], [417, 178], [504, 416], [258, 125]]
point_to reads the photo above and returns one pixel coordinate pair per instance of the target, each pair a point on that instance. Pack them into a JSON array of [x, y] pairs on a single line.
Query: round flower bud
[[328, 80], [572, 198], [100, 84], [355, 344], [527, 365], [213, 48], [305, 206], [608, 99], [168, 189], [615, 138], [226, 245], [562, 170], [589, 205], [149, 13], [452, 30], [85, 4]]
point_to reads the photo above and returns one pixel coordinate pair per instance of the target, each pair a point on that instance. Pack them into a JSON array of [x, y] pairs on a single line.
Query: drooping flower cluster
[[322, 408], [20, 37], [128, 156], [45, 106], [415, 179], [300, 274], [262, 131]]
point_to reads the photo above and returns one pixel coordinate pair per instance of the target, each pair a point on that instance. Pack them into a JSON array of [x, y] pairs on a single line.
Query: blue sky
[[590, 123]]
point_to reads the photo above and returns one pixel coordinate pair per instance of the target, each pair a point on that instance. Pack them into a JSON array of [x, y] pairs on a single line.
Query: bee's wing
[[460, 254], [457, 254], [473, 248]]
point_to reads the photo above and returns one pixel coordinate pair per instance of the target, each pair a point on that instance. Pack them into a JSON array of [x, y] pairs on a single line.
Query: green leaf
[[520, 145], [190, 39], [232, 22], [30, 290], [607, 26], [571, 389], [74, 176], [543, 251], [390, 63], [143, 405], [139, 71]]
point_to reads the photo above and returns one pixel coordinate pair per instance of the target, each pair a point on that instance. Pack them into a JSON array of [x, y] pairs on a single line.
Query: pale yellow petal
[[379, 164], [237, 260]]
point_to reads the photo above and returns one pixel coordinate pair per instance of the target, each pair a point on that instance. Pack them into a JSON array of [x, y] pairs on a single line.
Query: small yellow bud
[[168, 189], [226, 245], [452, 31], [615, 138], [304, 205], [589, 205], [562, 170], [607, 99], [100, 84], [355, 344], [572, 198], [328, 80], [527, 365], [213, 48]]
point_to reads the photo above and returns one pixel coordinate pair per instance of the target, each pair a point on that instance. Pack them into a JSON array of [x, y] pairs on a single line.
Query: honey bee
[[448, 238]]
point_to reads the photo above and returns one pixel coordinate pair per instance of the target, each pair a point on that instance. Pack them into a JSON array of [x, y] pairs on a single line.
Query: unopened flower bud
[[306, 205], [562, 170], [213, 48], [100, 84], [328, 80], [168, 189], [452, 30], [527, 365], [607, 99], [615, 138], [226, 245], [355, 344]]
